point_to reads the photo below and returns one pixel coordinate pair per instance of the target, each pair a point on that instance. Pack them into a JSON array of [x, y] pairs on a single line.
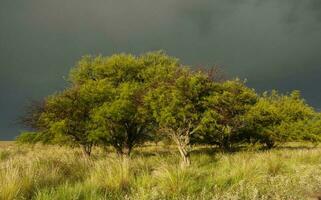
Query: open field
[[53, 172]]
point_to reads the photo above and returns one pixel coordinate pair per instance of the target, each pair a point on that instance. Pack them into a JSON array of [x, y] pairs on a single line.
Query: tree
[[125, 100], [68, 113], [31, 119], [308, 129], [122, 119], [223, 121], [105, 102], [31, 115], [177, 108], [275, 116]]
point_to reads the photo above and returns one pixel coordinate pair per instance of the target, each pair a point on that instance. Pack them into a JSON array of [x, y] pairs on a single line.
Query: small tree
[[68, 113], [223, 119], [177, 107], [38, 132], [123, 121], [269, 121]]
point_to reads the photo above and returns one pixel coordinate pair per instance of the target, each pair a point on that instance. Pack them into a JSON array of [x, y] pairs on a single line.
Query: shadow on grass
[[153, 151], [296, 147]]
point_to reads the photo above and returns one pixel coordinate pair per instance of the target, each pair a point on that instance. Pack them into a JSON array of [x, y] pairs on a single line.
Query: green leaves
[[124, 100], [281, 118], [177, 104], [114, 89], [225, 109]]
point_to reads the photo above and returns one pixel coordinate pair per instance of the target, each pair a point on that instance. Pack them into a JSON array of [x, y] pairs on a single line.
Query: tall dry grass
[[52, 172]]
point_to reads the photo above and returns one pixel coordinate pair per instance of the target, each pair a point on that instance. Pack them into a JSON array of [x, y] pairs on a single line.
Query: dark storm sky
[[272, 43]]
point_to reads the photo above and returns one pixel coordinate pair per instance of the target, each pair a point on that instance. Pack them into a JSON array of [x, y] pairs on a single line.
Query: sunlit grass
[[53, 172]]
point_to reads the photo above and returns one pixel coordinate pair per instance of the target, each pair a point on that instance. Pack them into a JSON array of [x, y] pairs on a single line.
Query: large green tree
[[105, 102], [125, 100], [122, 119]]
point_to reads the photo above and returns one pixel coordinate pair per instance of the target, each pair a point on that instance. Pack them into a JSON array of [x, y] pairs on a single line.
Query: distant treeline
[[124, 100]]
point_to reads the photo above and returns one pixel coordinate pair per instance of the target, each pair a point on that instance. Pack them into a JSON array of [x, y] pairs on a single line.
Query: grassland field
[[153, 172]]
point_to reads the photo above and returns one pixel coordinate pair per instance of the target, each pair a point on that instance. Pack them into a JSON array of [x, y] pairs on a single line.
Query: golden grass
[[53, 172], [4, 144]]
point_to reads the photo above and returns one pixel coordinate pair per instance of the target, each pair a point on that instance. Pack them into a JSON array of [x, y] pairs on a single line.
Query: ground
[[62, 173]]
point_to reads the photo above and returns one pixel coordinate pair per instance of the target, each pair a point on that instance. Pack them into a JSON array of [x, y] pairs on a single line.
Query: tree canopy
[[277, 118], [125, 100]]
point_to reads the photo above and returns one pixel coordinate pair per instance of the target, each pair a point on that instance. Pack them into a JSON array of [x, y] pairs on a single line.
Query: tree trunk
[[126, 151], [123, 151], [185, 155], [183, 145], [87, 149], [270, 144], [226, 144]]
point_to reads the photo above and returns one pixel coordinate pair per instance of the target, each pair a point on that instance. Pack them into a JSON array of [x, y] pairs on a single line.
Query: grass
[[61, 173], [5, 144]]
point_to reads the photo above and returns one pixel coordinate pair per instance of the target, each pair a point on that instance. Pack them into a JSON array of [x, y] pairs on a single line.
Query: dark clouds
[[272, 43]]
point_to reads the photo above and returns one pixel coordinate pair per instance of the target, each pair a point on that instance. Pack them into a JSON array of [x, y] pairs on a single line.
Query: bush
[[28, 138], [278, 118]]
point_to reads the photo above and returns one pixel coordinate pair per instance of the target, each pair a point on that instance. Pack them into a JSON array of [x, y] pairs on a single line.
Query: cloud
[[274, 44]]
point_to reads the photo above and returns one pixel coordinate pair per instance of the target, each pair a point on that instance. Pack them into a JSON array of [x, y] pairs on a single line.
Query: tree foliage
[[277, 118], [178, 106], [223, 119], [125, 100]]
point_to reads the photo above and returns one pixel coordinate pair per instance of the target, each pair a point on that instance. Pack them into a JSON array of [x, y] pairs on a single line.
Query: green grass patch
[[53, 172]]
